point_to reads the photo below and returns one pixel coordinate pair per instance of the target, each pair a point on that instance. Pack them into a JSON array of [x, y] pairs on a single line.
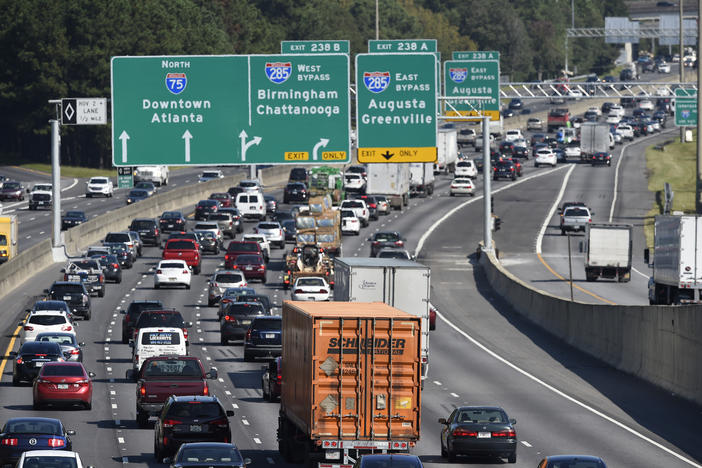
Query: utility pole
[[698, 184], [377, 28]]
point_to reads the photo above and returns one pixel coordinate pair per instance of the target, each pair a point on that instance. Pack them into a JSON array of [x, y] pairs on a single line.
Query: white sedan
[[646, 104], [310, 289], [545, 156], [461, 186], [572, 150], [172, 272]]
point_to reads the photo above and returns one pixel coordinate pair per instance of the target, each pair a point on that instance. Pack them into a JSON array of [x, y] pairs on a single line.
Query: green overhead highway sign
[[685, 107], [314, 47], [402, 45], [473, 77], [233, 109], [396, 107]]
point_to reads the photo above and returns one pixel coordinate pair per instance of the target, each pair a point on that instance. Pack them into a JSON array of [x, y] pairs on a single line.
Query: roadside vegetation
[[677, 166]]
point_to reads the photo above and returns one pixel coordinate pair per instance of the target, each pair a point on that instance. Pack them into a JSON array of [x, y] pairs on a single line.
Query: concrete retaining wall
[[30, 261], [661, 344]]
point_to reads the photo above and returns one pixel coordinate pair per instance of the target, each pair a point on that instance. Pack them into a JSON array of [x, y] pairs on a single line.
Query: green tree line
[[50, 50]]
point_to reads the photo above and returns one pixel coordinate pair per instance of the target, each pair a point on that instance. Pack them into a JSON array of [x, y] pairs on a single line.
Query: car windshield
[[63, 339], [195, 410], [156, 319], [98, 180], [480, 416], [268, 226], [243, 247], [30, 426], [347, 214], [218, 216], [171, 214], [67, 370], [310, 282], [388, 461], [210, 174], [86, 264], [207, 203], [228, 278], [67, 289], [393, 254], [245, 309], [145, 224], [47, 320], [267, 324], [228, 455], [574, 463], [576, 212], [50, 461], [74, 214], [138, 193], [177, 265], [160, 338], [249, 259], [180, 245], [173, 368], [206, 226], [352, 204], [50, 305]]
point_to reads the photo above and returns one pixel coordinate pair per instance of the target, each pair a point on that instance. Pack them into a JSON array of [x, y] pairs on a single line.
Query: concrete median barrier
[[660, 344], [76, 240]]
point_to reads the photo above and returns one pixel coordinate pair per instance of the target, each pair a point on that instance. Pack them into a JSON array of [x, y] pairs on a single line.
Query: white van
[[157, 341], [251, 205]]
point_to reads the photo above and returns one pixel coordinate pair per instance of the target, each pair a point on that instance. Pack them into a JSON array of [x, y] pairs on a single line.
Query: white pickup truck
[[156, 174]]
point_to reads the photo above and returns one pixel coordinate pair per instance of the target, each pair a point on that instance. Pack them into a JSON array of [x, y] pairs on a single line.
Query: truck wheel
[[512, 457], [563, 232], [142, 419]]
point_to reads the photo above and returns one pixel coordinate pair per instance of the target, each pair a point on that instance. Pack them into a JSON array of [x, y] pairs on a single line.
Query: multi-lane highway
[[481, 352]]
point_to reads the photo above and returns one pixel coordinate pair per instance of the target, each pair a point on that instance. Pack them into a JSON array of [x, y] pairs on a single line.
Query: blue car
[[23, 434], [136, 195]]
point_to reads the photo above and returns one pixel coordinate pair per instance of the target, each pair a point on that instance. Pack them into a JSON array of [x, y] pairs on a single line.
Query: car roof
[[50, 453], [187, 398]]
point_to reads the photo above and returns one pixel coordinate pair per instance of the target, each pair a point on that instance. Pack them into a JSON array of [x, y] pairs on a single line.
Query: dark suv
[[132, 314], [74, 294], [205, 207], [190, 419], [504, 168], [237, 318], [161, 319], [298, 174], [263, 338], [172, 221], [148, 230]]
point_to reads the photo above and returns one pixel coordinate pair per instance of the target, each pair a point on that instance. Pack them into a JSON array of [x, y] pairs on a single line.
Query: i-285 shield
[[278, 72], [376, 82]]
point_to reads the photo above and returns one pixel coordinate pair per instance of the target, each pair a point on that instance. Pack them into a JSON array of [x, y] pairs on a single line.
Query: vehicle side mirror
[[129, 374], [13, 353], [91, 375], [20, 323], [27, 310], [123, 311], [513, 421], [592, 213], [247, 461], [369, 239], [442, 421], [212, 374], [230, 413], [70, 432], [647, 256], [81, 344], [28, 191]]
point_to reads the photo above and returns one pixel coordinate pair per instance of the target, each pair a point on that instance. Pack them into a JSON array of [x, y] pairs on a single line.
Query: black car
[[205, 207], [190, 419], [537, 138], [122, 252], [591, 116], [295, 192], [626, 75], [163, 318], [289, 229], [247, 296], [72, 218], [132, 314], [520, 152], [74, 294], [111, 267], [172, 221], [478, 430], [263, 338], [148, 230], [661, 117], [385, 240], [30, 357], [507, 147], [31, 433], [601, 158], [504, 169], [236, 318], [209, 455], [516, 103], [606, 107], [208, 241], [298, 174], [234, 191], [506, 113]]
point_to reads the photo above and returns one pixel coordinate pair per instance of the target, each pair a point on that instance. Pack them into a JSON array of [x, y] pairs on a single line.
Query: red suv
[[183, 249], [237, 248]]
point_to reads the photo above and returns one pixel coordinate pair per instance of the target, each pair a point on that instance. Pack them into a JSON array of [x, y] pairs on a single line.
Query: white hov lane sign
[[84, 111]]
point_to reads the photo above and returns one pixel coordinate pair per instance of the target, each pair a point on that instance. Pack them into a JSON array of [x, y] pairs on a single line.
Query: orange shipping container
[[351, 374]]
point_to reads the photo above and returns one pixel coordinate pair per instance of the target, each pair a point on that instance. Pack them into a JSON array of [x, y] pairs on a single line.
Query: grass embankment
[[79, 172], [677, 166]]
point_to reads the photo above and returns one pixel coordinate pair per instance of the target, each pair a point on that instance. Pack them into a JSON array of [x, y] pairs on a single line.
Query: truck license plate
[[484, 435]]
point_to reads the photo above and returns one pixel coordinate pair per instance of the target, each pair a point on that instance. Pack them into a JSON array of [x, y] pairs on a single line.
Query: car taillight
[[261, 267], [279, 378], [221, 422], [299, 291], [54, 442], [226, 257], [66, 328], [399, 243], [41, 381], [460, 432], [19, 360], [142, 390], [28, 328], [230, 318], [376, 242], [171, 422], [11, 442], [323, 291], [185, 333], [506, 433], [115, 266], [65, 277], [206, 390], [82, 382], [159, 272], [185, 272], [248, 335], [75, 352]]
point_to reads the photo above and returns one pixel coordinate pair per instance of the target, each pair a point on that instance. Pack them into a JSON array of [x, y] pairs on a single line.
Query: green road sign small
[[396, 107], [230, 109], [314, 47], [473, 78], [476, 55], [686, 107], [125, 177], [404, 46]]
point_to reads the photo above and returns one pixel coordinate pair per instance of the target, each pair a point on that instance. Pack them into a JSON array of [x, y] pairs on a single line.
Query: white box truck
[[403, 284], [421, 179], [392, 180], [608, 251], [446, 150], [594, 138], [156, 174], [677, 260]]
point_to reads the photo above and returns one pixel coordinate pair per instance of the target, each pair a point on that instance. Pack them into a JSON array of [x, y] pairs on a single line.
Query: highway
[[646, 427]]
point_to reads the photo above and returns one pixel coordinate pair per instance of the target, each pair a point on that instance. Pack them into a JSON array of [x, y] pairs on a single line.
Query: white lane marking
[[114, 405], [41, 232], [235, 406], [552, 211], [227, 392], [245, 422], [75, 181], [436, 382], [526, 444], [637, 271], [257, 440], [566, 396], [453, 395], [426, 235], [120, 440], [112, 392], [32, 218]]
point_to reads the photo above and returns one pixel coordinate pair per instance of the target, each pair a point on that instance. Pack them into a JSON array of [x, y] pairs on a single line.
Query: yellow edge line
[[9, 350], [548, 267], [31, 170]]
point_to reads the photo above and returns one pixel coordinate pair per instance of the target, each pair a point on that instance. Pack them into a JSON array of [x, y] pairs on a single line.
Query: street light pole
[[377, 27], [698, 184], [680, 63]]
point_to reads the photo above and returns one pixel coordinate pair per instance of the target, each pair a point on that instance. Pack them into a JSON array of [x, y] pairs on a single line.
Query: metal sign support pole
[[680, 63], [487, 178], [56, 181], [698, 182]]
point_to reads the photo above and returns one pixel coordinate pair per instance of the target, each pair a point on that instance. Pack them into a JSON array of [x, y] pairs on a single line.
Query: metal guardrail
[[573, 91]]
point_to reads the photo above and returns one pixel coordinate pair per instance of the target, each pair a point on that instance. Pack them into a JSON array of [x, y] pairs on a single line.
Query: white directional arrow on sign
[[244, 145], [124, 137], [322, 142], [187, 136]]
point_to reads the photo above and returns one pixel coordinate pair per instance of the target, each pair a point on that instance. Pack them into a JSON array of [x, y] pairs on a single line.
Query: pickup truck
[[183, 249], [557, 118], [87, 271], [163, 376]]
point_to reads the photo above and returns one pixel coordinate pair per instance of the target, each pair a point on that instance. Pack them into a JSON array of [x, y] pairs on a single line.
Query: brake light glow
[[11, 442], [171, 422], [206, 390], [19, 360], [248, 335], [66, 328], [505, 433], [221, 422], [54, 442], [460, 432], [28, 328], [299, 291]]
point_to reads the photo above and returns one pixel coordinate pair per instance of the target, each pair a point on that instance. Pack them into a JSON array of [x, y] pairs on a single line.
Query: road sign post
[[476, 74], [396, 107], [224, 110], [685, 107], [314, 47]]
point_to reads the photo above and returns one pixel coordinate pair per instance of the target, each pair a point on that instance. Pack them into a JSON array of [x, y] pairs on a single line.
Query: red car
[[224, 199], [63, 383], [183, 249], [253, 266]]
